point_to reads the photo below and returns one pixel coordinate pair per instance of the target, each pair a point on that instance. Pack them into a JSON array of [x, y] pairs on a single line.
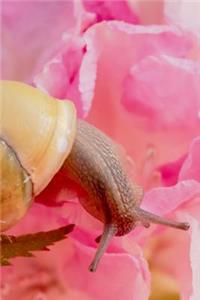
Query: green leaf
[[23, 245]]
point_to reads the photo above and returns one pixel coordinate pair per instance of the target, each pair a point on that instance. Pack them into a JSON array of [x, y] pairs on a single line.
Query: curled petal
[[70, 74], [164, 200], [59, 76]]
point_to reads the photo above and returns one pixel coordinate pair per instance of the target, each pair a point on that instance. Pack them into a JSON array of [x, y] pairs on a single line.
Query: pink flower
[[141, 85]]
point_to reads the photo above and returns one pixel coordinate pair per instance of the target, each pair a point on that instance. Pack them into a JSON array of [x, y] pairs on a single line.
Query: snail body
[[95, 165], [88, 157]]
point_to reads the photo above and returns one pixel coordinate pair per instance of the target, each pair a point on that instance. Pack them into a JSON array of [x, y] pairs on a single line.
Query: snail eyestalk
[[146, 217]]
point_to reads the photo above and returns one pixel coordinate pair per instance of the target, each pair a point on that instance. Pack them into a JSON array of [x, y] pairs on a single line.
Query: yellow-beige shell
[[36, 135]]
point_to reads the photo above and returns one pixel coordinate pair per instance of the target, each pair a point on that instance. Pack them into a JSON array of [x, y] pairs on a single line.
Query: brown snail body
[[91, 160], [94, 164]]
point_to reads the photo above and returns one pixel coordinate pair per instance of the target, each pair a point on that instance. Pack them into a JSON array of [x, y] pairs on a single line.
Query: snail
[[39, 135]]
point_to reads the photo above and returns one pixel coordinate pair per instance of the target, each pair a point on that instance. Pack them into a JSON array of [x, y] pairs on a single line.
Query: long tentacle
[[145, 216]]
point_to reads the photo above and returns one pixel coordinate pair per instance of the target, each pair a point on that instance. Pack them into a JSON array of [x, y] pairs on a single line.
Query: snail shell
[[15, 187], [36, 136]]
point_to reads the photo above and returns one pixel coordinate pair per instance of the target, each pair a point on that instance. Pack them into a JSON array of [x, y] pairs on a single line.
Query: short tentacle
[[110, 230]]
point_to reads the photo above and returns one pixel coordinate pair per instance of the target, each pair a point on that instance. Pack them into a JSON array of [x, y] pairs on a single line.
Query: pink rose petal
[[111, 10], [109, 71], [184, 13], [164, 200], [125, 74], [42, 277], [59, 76], [66, 266], [38, 218], [146, 92], [62, 195], [187, 16], [187, 247], [191, 166], [128, 271], [27, 40], [24, 37], [170, 171], [163, 249], [195, 258], [149, 12]]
